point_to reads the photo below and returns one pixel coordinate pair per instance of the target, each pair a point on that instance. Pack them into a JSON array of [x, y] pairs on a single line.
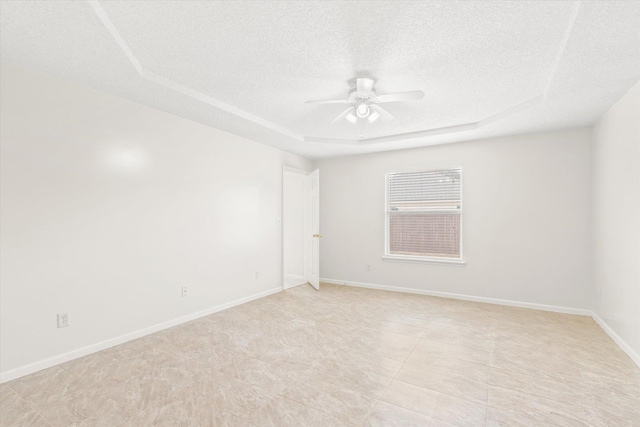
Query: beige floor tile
[[451, 336], [344, 356], [387, 344], [411, 397], [404, 329], [567, 411], [78, 404], [181, 413], [619, 402], [100, 368], [447, 381], [41, 385], [271, 377], [439, 423], [15, 411], [151, 388], [60, 397], [237, 398], [367, 383], [283, 412], [427, 362], [610, 386], [418, 320], [441, 349], [537, 364], [525, 418], [148, 359], [372, 363], [388, 415], [564, 391], [459, 412], [104, 413], [345, 404]]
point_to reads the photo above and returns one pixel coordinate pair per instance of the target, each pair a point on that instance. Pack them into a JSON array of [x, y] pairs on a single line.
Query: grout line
[[400, 369], [29, 404], [463, 360], [490, 366]]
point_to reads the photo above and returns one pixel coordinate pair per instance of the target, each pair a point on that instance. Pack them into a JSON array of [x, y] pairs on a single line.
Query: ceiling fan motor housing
[[353, 96], [366, 102]]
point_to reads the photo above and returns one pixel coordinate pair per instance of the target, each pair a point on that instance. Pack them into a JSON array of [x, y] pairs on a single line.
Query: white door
[[312, 219]]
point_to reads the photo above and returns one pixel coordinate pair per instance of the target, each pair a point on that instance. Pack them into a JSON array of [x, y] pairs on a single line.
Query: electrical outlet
[[257, 274], [368, 267], [185, 291], [63, 320]]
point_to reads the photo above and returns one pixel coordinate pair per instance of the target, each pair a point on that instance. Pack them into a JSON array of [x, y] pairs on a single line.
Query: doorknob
[[317, 235]]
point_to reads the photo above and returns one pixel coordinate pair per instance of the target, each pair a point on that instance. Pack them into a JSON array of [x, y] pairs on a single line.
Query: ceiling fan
[[365, 102]]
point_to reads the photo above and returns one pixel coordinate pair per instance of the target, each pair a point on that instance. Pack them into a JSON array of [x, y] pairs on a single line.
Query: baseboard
[[74, 354], [543, 307], [616, 338], [297, 280], [295, 284]]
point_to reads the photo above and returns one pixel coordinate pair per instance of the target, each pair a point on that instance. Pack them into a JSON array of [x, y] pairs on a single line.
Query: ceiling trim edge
[[563, 45], [435, 131], [102, 15], [179, 87], [214, 102]]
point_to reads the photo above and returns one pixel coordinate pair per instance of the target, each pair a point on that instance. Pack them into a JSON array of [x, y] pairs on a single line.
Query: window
[[424, 215]]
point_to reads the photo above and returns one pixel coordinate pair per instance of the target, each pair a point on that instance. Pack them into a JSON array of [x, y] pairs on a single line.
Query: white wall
[[526, 221], [293, 225], [616, 218], [109, 207]]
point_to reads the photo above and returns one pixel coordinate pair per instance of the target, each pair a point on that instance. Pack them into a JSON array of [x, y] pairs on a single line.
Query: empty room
[[319, 213]]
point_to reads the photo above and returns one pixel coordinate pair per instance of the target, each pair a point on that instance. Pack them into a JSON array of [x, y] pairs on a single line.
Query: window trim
[[387, 256]]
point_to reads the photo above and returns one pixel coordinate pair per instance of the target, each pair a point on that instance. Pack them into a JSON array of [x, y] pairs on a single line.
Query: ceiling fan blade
[[330, 101], [342, 115], [400, 96], [385, 116], [363, 87]]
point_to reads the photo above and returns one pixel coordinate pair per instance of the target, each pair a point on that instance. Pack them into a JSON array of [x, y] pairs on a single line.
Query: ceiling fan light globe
[[352, 118], [363, 111], [373, 116]]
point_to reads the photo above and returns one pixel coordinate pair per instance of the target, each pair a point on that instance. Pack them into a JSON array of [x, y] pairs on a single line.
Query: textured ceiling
[[497, 68]]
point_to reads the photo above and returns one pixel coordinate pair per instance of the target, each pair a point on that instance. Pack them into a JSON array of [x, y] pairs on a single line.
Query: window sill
[[404, 258]]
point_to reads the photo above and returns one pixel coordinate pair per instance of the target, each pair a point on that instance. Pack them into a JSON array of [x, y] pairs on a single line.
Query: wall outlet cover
[[63, 320]]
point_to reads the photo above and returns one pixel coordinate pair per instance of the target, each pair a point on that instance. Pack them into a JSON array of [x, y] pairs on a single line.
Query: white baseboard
[[74, 354], [616, 338], [294, 285], [296, 279], [56, 360], [535, 306]]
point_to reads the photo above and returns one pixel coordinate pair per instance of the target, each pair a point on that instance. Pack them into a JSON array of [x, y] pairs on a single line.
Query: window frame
[[417, 258]]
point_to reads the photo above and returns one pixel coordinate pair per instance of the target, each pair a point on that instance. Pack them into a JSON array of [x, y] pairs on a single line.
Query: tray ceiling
[[497, 68]]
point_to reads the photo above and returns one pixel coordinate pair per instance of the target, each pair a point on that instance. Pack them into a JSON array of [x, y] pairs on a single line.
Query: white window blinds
[[424, 214]]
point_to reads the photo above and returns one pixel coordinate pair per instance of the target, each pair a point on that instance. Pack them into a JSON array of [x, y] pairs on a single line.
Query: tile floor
[[344, 357]]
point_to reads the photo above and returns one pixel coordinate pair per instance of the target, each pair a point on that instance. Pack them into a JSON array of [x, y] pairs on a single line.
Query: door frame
[[289, 169]]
